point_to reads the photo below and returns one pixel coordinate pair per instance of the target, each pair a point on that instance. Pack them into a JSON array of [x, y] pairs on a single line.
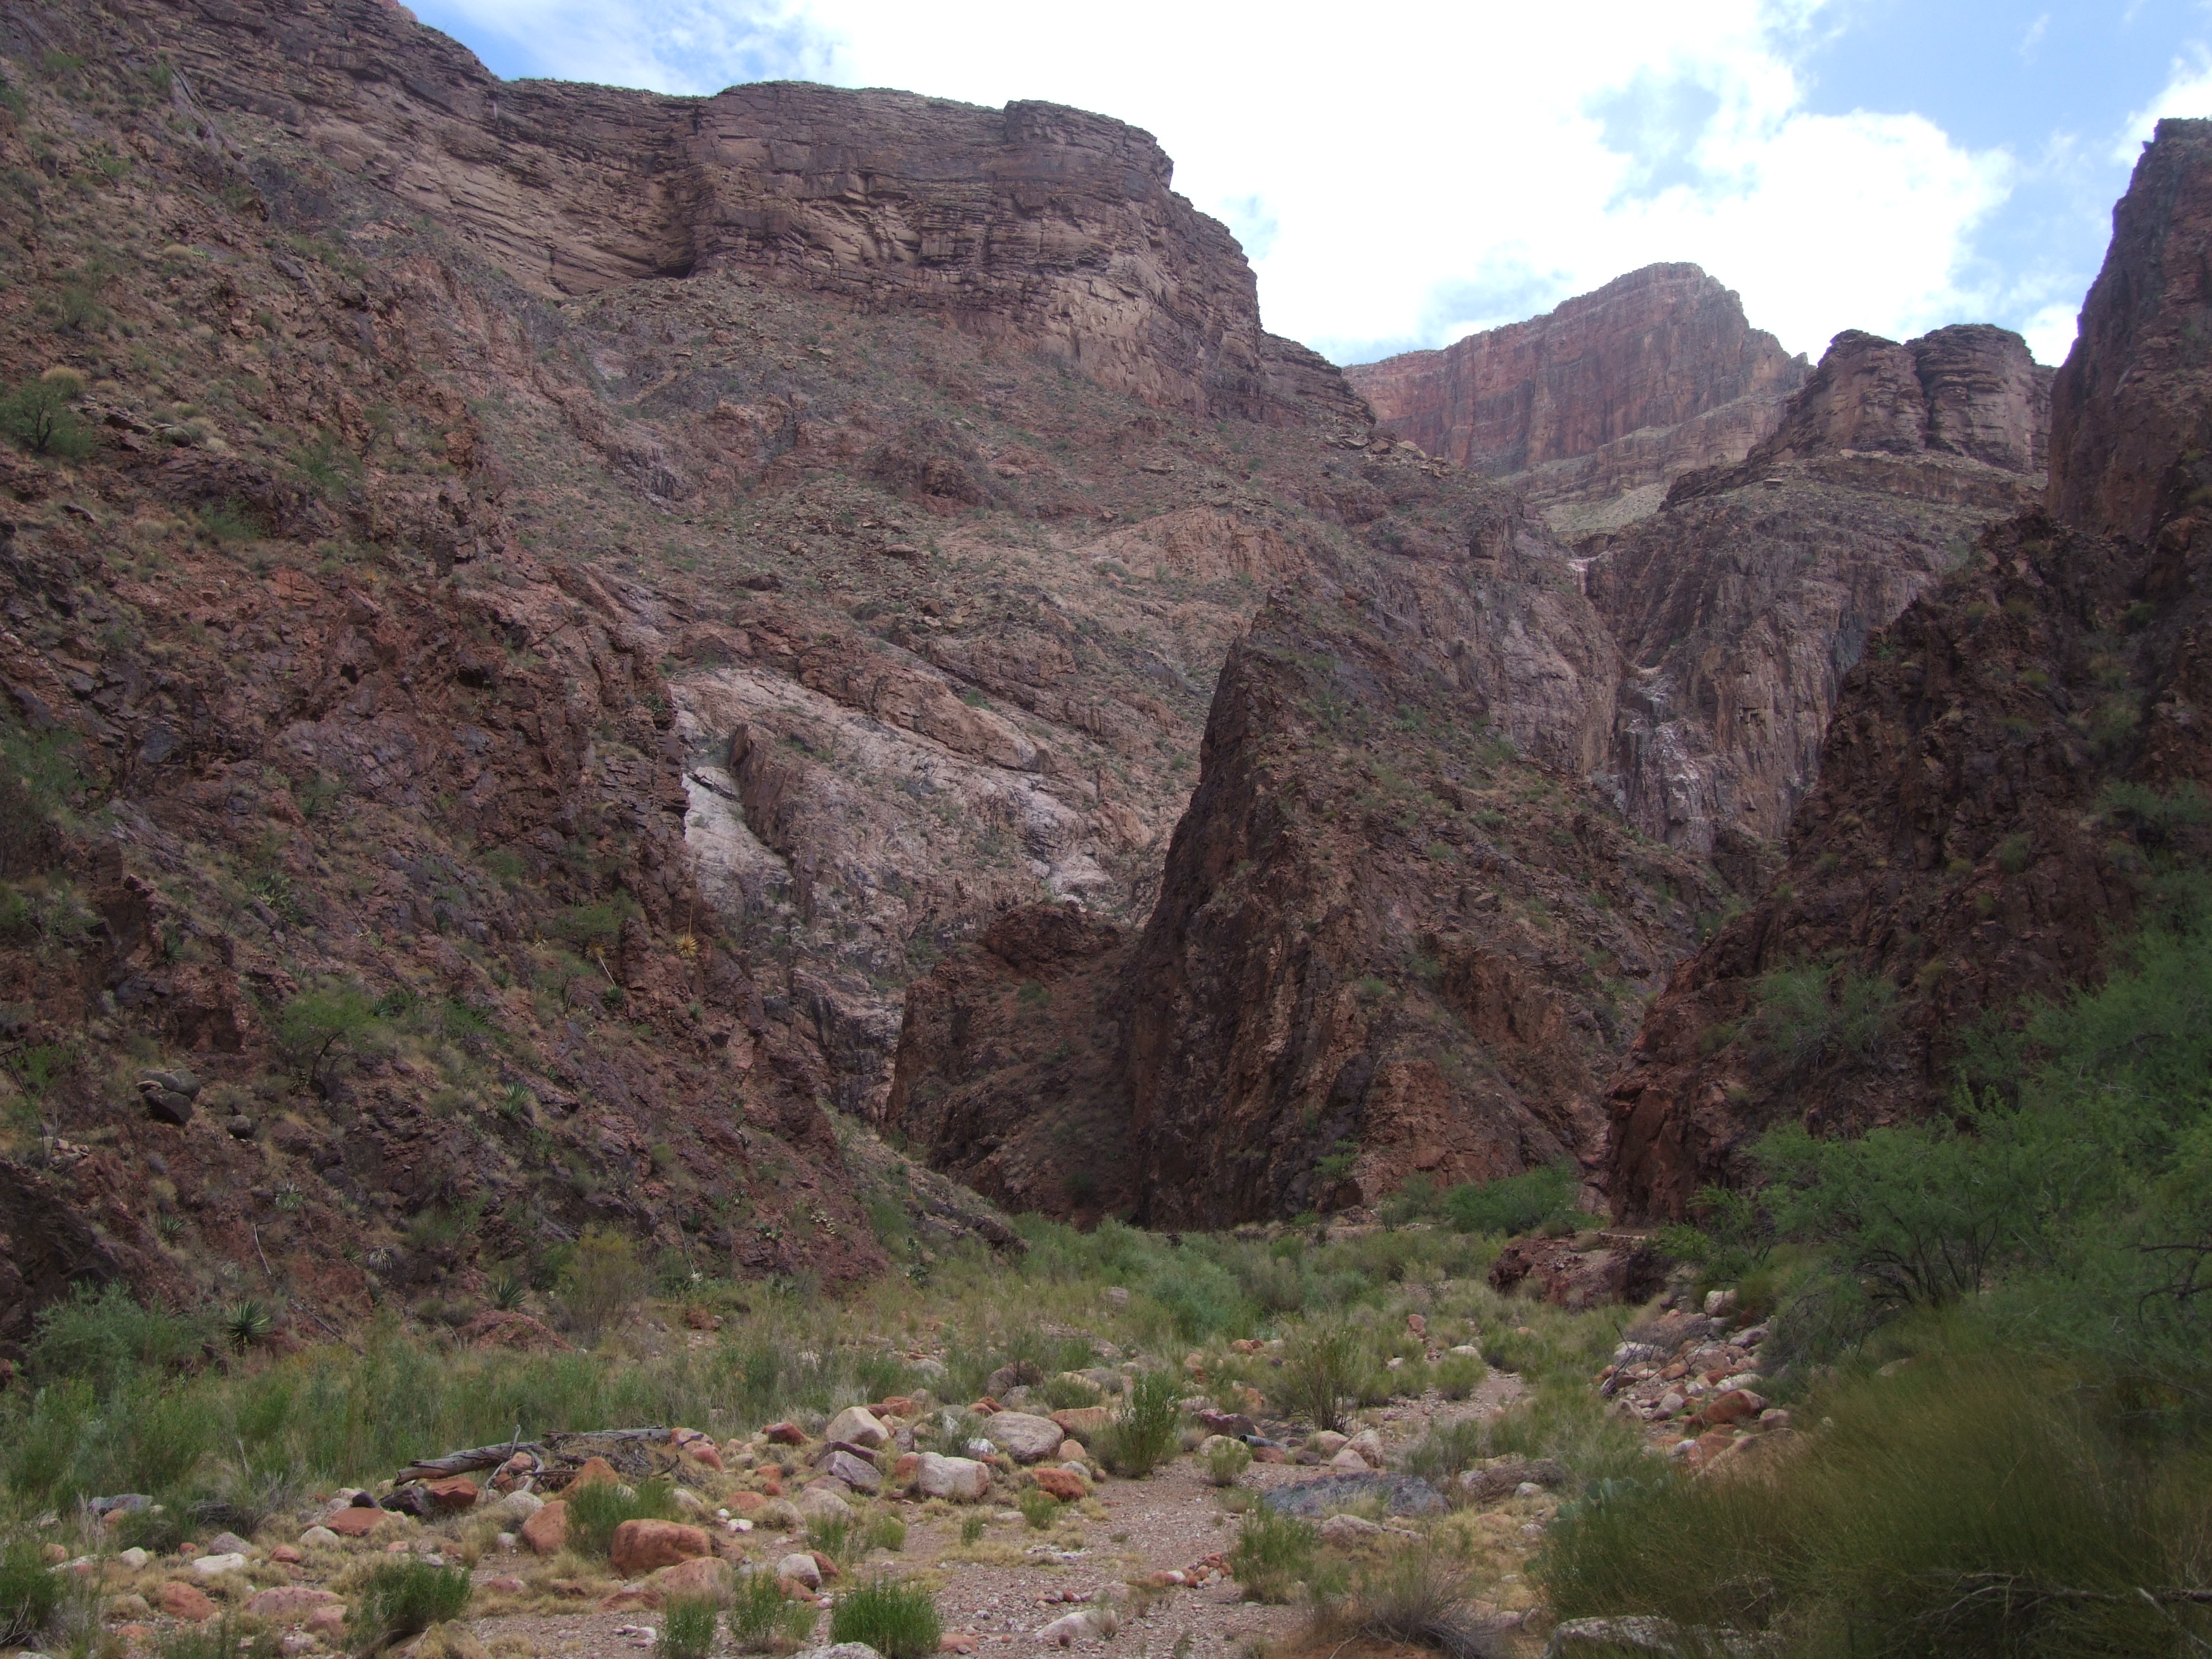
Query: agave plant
[[508, 1292], [246, 1323]]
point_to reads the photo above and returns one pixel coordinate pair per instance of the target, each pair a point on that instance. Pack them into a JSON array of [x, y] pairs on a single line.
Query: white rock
[[517, 1507], [1348, 1461], [1368, 1445], [508, 1542], [1327, 1442], [841, 1650], [214, 1566], [1670, 1403], [1748, 1381], [1083, 1626], [857, 1425], [1027, 1439], [1467, 1350], [315, 1536], [134, 1559], [229, 1543], [962, 1480]]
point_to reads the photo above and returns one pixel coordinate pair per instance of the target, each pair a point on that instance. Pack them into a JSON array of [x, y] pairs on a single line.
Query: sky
[[1402, 175]]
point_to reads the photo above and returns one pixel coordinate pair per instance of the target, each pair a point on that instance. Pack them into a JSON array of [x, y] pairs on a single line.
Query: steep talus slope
[[1595, 406], [1742, 604], [1398, 932], [1968, 843], [590, 711]]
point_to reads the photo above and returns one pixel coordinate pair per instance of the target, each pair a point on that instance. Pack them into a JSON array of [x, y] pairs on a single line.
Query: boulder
[[228, 1543], [318, 1537], [328, 1622], [1344, 1530], [133, 1558], [1368, 1445], [799, 1567], [1501, 1479], [516, 1507], [855, 1472], [857, 1425], [1733, 1407], [187, 1601], [546, 1532], [702, 1576], [1088, 1625], [822, 1502], [452, 1496], [1327, 1441], [595, 1468], [784, 1434], [1071, 1451], [960, 1480], [289, 1603], [1083, 1422], [639, 1546], [1062, 1484], [1027, 1439], [215, 1565], [1349, 1461], [903, 1471]]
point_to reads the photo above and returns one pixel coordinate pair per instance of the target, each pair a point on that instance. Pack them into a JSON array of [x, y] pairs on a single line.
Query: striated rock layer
[[1739, 606], [1966, 845], [1048, 225], [1652, 376]]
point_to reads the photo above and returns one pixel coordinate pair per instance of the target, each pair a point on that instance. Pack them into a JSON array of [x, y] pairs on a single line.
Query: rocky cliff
[[2001, 770], [1654, 374], [1739, 606], [1052, 228], [1398, 934]]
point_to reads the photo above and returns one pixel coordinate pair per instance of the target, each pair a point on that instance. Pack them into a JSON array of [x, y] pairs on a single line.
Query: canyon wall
[[1652, 376], [1987, 818]]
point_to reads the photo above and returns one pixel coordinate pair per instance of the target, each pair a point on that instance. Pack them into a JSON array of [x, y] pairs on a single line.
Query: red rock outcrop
[[1739, 606], [1660, 348], [1962, 850], [1055, 229]]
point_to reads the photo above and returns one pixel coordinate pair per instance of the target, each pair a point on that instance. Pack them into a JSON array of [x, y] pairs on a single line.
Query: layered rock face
[[1966, 847], [1740, 606], [1054, 229], [1397, 933], [1652, 376]]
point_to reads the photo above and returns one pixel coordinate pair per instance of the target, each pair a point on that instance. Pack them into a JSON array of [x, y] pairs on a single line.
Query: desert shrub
[[1517, 1204], [1810, 1016], [219, 1638], [1982, 1506], [1731, 1237], [883, 1531], [1038, 1507], [401, 1599], [1201, 1297], [834, 1535], [102, 1332], [1456, 1376], [898, 1621], [29, 1593], [1273, 1555], [1227, 1460], [312, 1024], [1144, 1436], [1326, 1367], [1417, 1595], [759, 1616], [1067, 1392], [1445, 1450], [971, 1531], [594, 1512], [38, 414], [687, 1628], [605, 1280]]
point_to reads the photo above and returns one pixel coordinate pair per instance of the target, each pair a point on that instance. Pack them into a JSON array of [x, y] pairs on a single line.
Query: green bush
[[1517, 1204], [1416, 1595], [594, 1512], [1326, 1368], [29, 1592], [1731, 1238], [898, 1621], [1038, 1507], [1985, 1506], [219, 1638], [759, 1616], [834, 1535], [102, 1332], [1226, 1462], [1809, 1017], [1273, 1555], [1445, 1450], [687, 1628], [1144, 1436], [313, 1023], [401, 1599], [604, 1282], [38, 414]]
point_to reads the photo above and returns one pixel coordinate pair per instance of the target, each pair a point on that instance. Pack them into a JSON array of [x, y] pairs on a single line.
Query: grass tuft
[[898, 1621]]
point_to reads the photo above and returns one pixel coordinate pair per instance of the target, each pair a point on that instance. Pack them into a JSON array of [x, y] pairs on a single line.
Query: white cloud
[[1467, 163], [2188, 91], [2050, 332]]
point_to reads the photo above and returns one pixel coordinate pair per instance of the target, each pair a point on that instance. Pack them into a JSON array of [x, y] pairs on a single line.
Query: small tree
[[38, 415], [315, 1023]]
